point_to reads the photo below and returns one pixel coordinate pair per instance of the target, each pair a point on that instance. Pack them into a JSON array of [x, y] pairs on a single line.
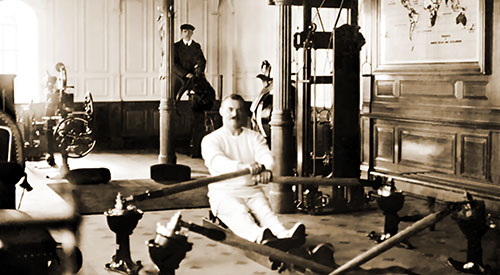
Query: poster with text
[[429, 31]]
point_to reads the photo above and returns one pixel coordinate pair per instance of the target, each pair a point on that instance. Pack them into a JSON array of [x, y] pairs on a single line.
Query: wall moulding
[[427, 149], [436, 114], [475, 155], [463, 156]]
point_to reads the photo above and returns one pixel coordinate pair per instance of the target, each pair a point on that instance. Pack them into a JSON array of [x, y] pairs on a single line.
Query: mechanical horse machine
[[26, 244], [59, 127]]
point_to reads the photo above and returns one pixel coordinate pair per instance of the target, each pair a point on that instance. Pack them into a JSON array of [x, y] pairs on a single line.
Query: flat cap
[[187, 27]]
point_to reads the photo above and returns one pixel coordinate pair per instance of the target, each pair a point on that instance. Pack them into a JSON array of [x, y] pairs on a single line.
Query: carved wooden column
[[167, 106], [282, 144]]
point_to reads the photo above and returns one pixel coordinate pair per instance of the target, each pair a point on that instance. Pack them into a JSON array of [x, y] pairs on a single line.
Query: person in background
[[189, 68], [240, 203]]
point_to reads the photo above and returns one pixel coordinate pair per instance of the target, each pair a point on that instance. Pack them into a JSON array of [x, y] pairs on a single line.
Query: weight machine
[[327, 131], [62, 128], [328, 137]]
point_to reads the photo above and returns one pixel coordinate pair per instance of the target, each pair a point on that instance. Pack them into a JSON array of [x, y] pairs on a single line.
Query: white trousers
[[247, 216]]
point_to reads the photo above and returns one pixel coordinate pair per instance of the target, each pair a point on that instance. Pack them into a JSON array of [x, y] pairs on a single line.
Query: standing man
[[239, 202], [189, 68]]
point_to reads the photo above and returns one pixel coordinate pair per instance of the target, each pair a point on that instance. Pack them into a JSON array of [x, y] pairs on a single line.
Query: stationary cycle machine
[[61, 128]]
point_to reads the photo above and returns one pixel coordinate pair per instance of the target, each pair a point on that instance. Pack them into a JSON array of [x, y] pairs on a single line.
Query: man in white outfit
[[239, 202]]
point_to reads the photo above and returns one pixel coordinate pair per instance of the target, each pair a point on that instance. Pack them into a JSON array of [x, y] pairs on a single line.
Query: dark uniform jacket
[[190, 59], [187, 57]]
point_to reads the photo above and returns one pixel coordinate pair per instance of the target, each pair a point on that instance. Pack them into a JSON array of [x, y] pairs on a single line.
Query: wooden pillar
[[282, 144], [167, 106]]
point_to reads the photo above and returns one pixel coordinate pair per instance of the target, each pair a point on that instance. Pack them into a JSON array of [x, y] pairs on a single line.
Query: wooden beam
[[373, 252]]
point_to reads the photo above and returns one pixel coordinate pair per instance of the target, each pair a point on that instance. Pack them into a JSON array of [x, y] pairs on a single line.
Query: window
[[19, 48]]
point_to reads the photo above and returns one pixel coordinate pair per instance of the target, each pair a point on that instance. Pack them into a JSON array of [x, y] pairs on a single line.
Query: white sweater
[[223, 152]]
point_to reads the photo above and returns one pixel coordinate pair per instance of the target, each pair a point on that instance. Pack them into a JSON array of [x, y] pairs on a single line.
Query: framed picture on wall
[[430, 36]]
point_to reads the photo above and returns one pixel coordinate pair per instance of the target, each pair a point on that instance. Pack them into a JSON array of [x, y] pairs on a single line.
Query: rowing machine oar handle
[[176, 223], [214, 234], [184, 186]]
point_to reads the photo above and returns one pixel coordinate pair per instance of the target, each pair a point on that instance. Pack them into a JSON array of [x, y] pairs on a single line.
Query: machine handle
[[184, 186]]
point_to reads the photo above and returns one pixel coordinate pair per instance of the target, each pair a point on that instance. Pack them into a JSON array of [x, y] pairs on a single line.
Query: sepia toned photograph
[[195, 137]]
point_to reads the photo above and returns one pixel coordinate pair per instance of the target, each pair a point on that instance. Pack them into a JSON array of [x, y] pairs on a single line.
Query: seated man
[[239, 202]]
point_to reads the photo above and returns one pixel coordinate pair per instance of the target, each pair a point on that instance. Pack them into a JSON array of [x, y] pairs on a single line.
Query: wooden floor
[[346, 232]]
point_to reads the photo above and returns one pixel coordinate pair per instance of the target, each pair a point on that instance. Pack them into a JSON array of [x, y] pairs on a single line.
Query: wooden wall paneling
[[155, 121], [251, 47], [475, 90], [475, 155], [114, 76], [226, 37], [384, 143], [495, 158], [183, 120], [67, 27], [156, 51], [135, 41], [468, 90], [135, 31], [246, 84], [458, 116], [99, 87], [459, 89], [181, 14], [44, 47], [85, 38], [447, 124], [65, 35], [434, 150], [134, 87], [153, 57], [197, 12], [129, 125], [384, 88], [368, 30], [108, 125], [100, 50], [212, 44], [365, 94], [365, 158], [135, 122], [431, 88], [96, 36], [140, 119], [451, 99]]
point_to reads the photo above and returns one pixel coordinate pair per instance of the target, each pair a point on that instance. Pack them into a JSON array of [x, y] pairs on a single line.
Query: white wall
[[112, 47], [84, 35]]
